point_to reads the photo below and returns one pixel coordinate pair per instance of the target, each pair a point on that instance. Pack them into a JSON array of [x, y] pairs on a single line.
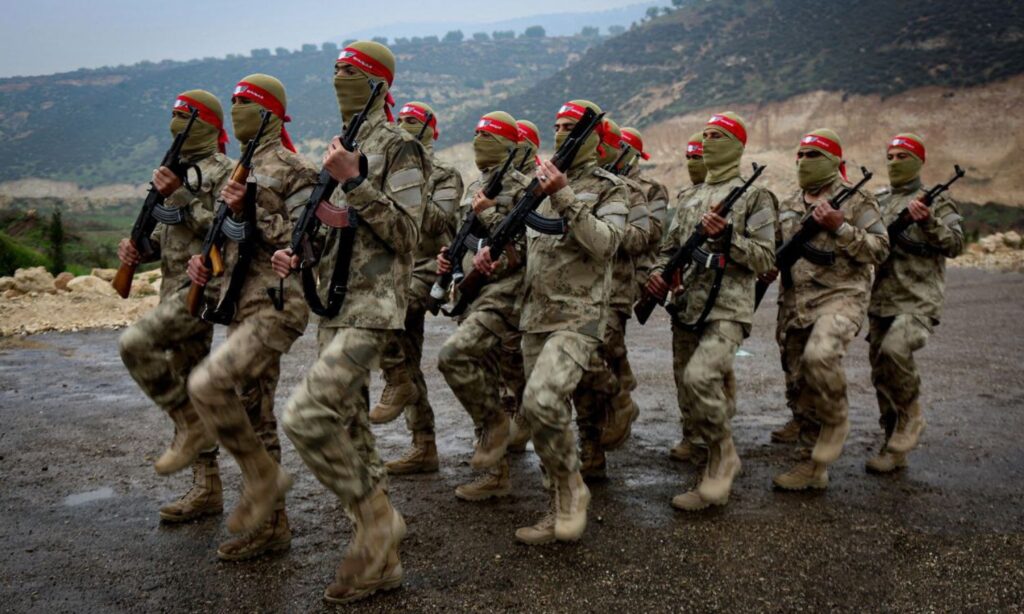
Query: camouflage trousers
[[814, 359], [328, 414], [510, 364], [702, 363], [555, 364], [404, 350], [470, 362], [163, 347], [894, 375], [790, 373], [608, 376]]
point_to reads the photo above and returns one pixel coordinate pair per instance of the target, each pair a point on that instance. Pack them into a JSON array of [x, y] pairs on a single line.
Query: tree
[[329, 47], [380, 39], [503, 35], [416, 40], [308, 48], [481, 36], [666, 10], [401, 41], [616, 30], [56, 242], [590, 32], [678, 3], [652, 12], [534, 32], [281, 51], [454, 36], [431, 39]]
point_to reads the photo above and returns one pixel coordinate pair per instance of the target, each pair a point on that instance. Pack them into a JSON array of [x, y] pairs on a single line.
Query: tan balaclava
[[587, 153], [267, 93], [695, 159], [496, 134], [906, 172], [814, 174], [418, 119], [372, 61], [207, 134], [722, 155]]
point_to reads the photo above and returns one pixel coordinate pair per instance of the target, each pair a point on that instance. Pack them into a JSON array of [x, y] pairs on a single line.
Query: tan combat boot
[[205, 498], [421, 458], [593, 466], [264, 484], [830, 442], [908, 430], [190, 438], [621, 417], [371, 561], [572, 497], [688, 451], [274, 535], [722, 468], [886, 462], [806, 474], [543, 532], [495, 483], [492, 443], [519, 433], [789, 433], [399, 392]]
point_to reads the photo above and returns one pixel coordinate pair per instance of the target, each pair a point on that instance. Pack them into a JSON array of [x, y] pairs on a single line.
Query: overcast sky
[[47, 36]]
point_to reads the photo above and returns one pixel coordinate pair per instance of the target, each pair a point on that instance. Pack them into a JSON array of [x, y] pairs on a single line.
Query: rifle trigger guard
[[193, 187]]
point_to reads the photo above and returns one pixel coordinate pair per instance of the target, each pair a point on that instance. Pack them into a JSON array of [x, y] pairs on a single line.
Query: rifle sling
[[338, 286], [706, 260]]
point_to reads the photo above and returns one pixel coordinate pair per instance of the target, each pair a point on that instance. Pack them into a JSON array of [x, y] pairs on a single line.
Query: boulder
[[991, 243], [104, 274], [6, 283], [156, 285], [61, 282], [34, 279], [1012, 240], [141, 287], [90, 284]]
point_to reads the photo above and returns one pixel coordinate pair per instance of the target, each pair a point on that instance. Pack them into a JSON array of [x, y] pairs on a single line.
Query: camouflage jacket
[[568, 278], [501, 293], [440, 223], [283, 181], [389, 203], [843, 288], [179, 242], [910, 281], [635, 244], [657, 208], [749, 246]]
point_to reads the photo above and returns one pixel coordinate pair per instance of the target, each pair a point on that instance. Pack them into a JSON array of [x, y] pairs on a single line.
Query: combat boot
[[190, 438], [688, 451], [830, 442], [274, 535], [572, 497], [908, 430], [806, 474], [399, 392], [789, 433], [264, 484], [593, 467], [495, 483], [623, 414], [205, 498], [886, 462], [519, 432], [722, 468], [371, 561], [492, 443], [541, 533], [421, 458]]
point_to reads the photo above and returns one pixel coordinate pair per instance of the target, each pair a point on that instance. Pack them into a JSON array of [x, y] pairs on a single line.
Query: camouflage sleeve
[[671, 241], [511, 260], [657, 206], [753, 237], [440, 215], [863, 237], [295, 185], [395, 213], [596, 228], [943, 229], [636, 236]]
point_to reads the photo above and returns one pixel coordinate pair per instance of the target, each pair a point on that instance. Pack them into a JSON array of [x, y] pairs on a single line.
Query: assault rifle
[[612, 166], [682, 259], [461, 244], [904, 221], [423, 128], [153, 210], [790, 252], [223, 227], [318, 210], [514, 224]]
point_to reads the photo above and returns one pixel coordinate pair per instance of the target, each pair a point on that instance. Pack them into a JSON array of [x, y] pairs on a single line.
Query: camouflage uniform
[[405, 351], [327, 416], [565, 305], [703, 359], [907, 297]]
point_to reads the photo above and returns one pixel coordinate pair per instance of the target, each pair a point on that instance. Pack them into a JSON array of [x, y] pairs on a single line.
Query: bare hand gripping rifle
[[153, 210], [897, 229]]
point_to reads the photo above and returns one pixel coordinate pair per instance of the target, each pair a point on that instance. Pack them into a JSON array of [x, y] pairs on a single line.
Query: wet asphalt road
[[78, 496]]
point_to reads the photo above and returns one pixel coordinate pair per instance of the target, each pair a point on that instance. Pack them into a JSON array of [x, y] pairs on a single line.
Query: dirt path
[[78, 496]]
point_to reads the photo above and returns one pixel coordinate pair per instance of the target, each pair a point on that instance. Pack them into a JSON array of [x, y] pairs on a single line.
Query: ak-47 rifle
[[423, 128], [612, 166], [153, 211], [514, 224], [463, 238], [904, 220], [343, 220], [682, 259], [793, 250], [216, 236]]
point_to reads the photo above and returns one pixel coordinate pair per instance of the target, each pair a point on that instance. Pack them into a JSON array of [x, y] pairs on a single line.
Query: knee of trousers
[[542, 406], [820, 363], [450, 358], [133, 343], [894, 350], [204, 388], [701, 382]]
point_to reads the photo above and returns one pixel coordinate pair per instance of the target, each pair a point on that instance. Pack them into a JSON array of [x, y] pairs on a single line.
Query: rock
[[104, 274], [1012, 240], [991, 243], [150, 276], [156, 285], [141, 287], [61, 282], [35, 279], [89, 284], [6, 283], [11, 293]]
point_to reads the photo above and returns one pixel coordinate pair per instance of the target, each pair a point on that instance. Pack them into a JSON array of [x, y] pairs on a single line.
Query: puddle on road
[[88, 497]]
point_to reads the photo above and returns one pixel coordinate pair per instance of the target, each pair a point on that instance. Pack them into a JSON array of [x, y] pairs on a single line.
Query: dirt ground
[[78, 496]]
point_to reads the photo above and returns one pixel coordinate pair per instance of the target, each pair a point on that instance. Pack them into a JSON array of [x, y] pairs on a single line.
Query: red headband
[[695, 148], [909, 144], [527, 133], [610, 138], [368, 64], [636, 143], [730, 125], [411, 110], [499, 128], [575, 111], [816, 141], [183, 102], [265, 99]]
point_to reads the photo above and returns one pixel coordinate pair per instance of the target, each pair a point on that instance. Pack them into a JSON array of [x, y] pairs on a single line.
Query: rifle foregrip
[[644, 308], [122, 281], [216, 261], [194, 300]]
